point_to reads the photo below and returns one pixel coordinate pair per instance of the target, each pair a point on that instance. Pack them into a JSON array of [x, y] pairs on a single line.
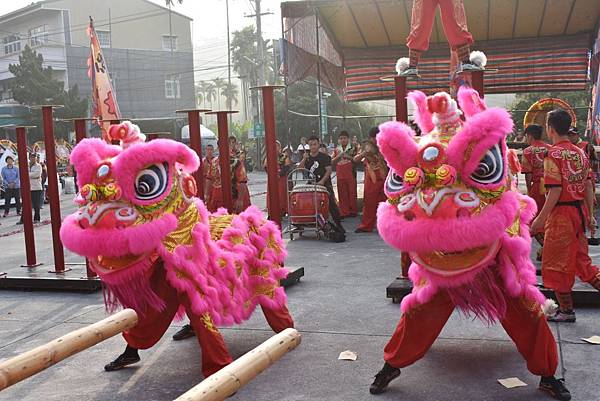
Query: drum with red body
[[306, 201]]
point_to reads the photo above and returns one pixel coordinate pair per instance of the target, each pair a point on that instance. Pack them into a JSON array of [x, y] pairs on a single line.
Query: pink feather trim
[[397, 144], [422, 115]]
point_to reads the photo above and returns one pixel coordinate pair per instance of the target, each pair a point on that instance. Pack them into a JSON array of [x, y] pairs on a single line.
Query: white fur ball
[[478, 58], [402, 64]]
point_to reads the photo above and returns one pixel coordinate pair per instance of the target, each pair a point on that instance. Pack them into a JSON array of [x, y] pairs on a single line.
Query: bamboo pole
[[34, 361], [234, 376]]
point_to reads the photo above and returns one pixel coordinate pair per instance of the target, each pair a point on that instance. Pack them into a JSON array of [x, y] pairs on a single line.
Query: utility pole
[[261, 73]]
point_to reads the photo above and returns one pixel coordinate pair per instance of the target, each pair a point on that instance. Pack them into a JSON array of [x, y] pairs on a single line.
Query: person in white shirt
[[35, 185]]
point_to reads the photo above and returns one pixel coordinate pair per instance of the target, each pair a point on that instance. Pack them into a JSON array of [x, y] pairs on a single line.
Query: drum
[[306, 201]]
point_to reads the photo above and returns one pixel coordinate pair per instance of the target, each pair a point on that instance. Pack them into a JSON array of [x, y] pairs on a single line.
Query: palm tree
[[219, 84], [199, 97], [230, 92], [211, 93], [202, 88]]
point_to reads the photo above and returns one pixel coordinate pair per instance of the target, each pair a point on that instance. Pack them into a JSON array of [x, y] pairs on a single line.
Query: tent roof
[[385, 23]]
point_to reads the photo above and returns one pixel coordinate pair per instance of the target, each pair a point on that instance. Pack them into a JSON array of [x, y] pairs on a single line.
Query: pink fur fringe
[[397, 144], [470, 102], [423, 117]]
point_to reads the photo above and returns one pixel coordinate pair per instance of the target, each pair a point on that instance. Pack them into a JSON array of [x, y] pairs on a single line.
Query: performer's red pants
[[524, 322], [535, 194], [346, 187], [565, 251], [215, 200], [245, 194], [454, 22], [373, 195], [153, 325]]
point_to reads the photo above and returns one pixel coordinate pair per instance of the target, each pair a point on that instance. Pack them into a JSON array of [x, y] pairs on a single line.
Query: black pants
[[9, 194], [36, 203]]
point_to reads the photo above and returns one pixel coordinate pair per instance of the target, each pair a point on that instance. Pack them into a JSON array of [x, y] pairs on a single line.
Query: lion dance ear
[[397, 144], [423, 116], [470, 102]]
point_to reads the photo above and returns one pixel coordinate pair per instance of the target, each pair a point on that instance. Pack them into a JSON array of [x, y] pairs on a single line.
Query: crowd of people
[[560, 180], [10, 181]]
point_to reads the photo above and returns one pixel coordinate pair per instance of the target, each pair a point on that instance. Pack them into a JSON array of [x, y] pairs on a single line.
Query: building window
[[169, 42], [38, 36], [172, 89], [12, 44], [103, 38]]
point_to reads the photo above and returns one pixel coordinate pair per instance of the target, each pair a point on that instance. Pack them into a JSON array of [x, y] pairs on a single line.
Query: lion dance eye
[[491, 167], [152, 181], [394, 183]]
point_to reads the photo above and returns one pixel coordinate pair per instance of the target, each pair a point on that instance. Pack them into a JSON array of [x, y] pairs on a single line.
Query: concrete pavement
[[339, 305]]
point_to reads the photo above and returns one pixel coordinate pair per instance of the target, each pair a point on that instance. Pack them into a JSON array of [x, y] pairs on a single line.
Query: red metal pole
[[402, 115], [477, 82], [224, 159], [26, 197], [401, 104], [196, 145], [80, 134], [55, 217], [271, 147]]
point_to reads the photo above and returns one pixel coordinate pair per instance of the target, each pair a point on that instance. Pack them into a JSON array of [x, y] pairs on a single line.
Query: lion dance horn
[[126, 133]]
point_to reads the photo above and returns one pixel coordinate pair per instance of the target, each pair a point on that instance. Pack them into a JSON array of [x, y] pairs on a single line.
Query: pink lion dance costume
[[160, 252], [451, 205]]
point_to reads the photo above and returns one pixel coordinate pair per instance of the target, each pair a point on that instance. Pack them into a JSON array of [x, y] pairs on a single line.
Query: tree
[[203, 87], [579, 100], [34, 85], [211, 93], [302, 98], [219, 84], [230, 92]]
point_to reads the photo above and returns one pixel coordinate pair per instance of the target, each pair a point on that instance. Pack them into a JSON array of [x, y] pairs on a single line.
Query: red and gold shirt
[[214, 172], [533, 160], [238, 168], [568, 167], [344, 166]]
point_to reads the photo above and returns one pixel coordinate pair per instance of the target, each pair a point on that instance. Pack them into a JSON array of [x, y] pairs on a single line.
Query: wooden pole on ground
[[234, 376], [31, 362]]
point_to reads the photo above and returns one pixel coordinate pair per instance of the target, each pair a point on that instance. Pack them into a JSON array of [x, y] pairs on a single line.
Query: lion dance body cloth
[[160, 252], [451, 205]]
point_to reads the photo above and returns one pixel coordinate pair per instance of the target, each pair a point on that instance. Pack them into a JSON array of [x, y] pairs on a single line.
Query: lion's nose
[[107, 216]]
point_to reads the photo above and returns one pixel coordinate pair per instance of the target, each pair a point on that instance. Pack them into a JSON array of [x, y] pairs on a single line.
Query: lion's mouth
[[118, 263], [454, 263]]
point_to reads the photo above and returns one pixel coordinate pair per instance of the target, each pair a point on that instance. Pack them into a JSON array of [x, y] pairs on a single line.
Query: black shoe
[[383, 378], [556, 387], [20, 222], [122, 361], [186, 331]]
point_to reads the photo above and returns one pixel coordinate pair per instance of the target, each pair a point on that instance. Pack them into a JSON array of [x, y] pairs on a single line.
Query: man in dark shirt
[[319, 166]]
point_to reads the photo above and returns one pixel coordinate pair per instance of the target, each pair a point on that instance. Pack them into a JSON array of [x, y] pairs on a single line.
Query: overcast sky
[[209, 26]]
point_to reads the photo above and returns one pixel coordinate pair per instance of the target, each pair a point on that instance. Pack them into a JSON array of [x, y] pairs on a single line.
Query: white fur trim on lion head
[[402, 64], [478, 58]]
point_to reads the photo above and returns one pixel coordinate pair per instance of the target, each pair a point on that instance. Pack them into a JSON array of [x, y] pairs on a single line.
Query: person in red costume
[[454, 22], [375, 173], [239, 177], [346, 181], [283, 168], [533, 168], [568, 179]]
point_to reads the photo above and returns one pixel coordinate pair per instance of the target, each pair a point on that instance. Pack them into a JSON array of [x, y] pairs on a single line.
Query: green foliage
[[244, 55], [34, 85], [230, 93], [579, 100], [302, 98]]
